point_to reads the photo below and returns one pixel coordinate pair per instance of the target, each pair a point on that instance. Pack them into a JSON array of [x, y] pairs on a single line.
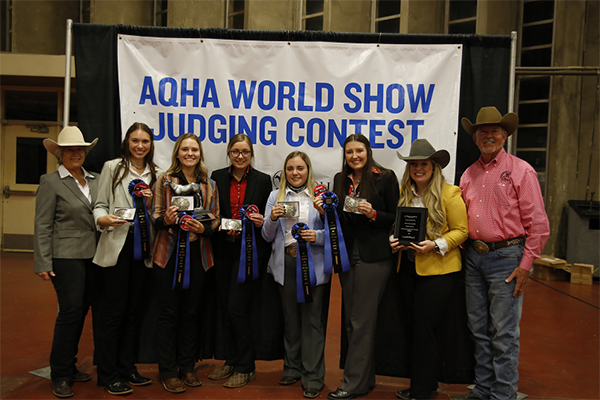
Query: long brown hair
[[366, 181], [200, 171], [123, 166]]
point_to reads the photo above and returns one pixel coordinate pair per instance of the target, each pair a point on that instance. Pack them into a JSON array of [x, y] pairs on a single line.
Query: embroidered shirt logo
[[505, 177]]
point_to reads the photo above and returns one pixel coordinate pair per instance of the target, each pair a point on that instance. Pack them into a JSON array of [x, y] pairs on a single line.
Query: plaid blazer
[[166, 238]]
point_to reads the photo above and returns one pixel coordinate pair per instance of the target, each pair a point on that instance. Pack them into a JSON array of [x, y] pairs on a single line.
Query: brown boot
[[173, 385]]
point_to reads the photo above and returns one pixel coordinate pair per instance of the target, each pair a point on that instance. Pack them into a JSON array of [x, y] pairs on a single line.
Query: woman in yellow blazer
[[428, 269]]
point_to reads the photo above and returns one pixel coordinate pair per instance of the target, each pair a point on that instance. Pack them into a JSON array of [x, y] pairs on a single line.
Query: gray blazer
[[64, 223], [112, 238]]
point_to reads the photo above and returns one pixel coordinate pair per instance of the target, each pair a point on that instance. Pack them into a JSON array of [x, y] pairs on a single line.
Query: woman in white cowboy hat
[[428, 269], [64, 245]]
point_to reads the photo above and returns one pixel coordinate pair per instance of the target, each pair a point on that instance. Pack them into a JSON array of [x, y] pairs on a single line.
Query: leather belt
[[485, 247], [292, 250]]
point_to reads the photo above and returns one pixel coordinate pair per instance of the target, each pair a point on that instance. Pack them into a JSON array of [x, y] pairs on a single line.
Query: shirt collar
[[230, 170], [305, 191], [498, 159], [63, 172]]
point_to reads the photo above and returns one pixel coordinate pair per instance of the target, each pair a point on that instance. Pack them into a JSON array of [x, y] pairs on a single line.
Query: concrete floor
[[559, 347]]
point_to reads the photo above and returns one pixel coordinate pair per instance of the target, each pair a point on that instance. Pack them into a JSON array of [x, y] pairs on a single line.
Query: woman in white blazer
[[304, 325], [124, 252]]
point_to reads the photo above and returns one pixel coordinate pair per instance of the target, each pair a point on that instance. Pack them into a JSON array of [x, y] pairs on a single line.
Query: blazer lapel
[[249, 195], [70, 183]]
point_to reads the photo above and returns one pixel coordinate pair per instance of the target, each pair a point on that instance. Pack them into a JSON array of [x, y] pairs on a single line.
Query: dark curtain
[[484, 82]]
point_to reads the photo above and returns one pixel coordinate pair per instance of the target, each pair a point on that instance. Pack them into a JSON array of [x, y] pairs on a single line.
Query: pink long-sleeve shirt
[[504, 201]]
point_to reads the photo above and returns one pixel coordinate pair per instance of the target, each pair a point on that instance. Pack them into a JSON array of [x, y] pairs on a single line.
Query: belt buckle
[[410, 253], [481, 247], [292, 250]]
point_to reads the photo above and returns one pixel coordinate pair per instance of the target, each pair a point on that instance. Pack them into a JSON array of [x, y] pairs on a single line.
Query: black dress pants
[[424, 301], [178, 320], [235, 300], [119, 315], [75, 284]]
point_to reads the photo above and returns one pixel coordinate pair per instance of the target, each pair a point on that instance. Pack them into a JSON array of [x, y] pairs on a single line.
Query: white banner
[[304, 96]]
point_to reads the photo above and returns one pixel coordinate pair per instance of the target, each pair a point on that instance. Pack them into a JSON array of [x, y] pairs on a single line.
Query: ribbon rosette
[[305, 269], [182, 270], [248, 268], [141, 223], [336, 255]]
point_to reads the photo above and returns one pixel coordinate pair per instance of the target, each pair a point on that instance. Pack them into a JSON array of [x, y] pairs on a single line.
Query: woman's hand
[[111, 220], [258, 219], [366, 208], [318, 204], [45, 275], [148, 195], [395, 245], [277, 211], [309, 235], [195, 226], [424, 246], [171, 215]]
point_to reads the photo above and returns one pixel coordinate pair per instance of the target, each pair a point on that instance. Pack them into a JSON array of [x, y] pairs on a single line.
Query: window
[[84, 11], [461, 16], [161, 8], [6, 22], [313, 12], [386, 16], [31, 160], [534, 91], [235, 14], [31, 105]]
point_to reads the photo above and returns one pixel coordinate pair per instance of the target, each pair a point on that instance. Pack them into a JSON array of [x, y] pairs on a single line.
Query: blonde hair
[[200, 171], [432, 198], [310, 181]]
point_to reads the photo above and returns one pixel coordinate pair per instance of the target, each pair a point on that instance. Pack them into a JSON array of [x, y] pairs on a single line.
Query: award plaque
[[126, 213], [411, 225], [183, 203], [231, 224], [291, 209], [351, 204]]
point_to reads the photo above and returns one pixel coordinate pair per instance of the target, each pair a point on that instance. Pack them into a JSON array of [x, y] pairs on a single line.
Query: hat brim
[[509, 122], [52, 146], [441, 157]]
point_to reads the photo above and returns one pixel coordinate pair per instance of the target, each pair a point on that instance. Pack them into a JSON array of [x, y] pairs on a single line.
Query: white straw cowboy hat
[[491, 115], [421, 149], [69, 136]]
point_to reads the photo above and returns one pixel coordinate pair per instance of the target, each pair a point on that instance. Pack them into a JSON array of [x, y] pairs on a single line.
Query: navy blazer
[[257, 192], [64, 221]]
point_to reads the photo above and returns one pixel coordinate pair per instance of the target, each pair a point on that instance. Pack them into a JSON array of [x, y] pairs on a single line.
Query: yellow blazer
[[455, 231]]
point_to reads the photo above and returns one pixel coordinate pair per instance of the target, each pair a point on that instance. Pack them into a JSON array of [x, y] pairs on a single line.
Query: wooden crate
[[582, 274]]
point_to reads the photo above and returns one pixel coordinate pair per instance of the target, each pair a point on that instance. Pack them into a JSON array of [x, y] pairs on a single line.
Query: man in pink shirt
[[508, 228]]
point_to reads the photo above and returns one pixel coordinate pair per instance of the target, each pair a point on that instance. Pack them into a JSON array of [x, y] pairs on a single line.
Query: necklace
[[138, 166]]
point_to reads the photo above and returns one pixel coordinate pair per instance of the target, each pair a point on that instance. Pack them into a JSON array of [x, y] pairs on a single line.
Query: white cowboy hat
[[69, 136]]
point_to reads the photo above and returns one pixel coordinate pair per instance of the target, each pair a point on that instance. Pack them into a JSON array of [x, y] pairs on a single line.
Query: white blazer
[[274, 231], [112, 238]]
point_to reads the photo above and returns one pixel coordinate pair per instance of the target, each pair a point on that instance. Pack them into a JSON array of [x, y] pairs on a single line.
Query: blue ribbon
[[335, 246], [249, 255], [141, 240], [305, 269], [182, 263]]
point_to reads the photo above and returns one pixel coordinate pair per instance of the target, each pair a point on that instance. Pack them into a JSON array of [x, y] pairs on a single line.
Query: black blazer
[[257, 192], [373, 237]]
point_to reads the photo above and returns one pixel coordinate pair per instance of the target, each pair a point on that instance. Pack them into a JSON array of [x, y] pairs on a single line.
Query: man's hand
[[522, 277]]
